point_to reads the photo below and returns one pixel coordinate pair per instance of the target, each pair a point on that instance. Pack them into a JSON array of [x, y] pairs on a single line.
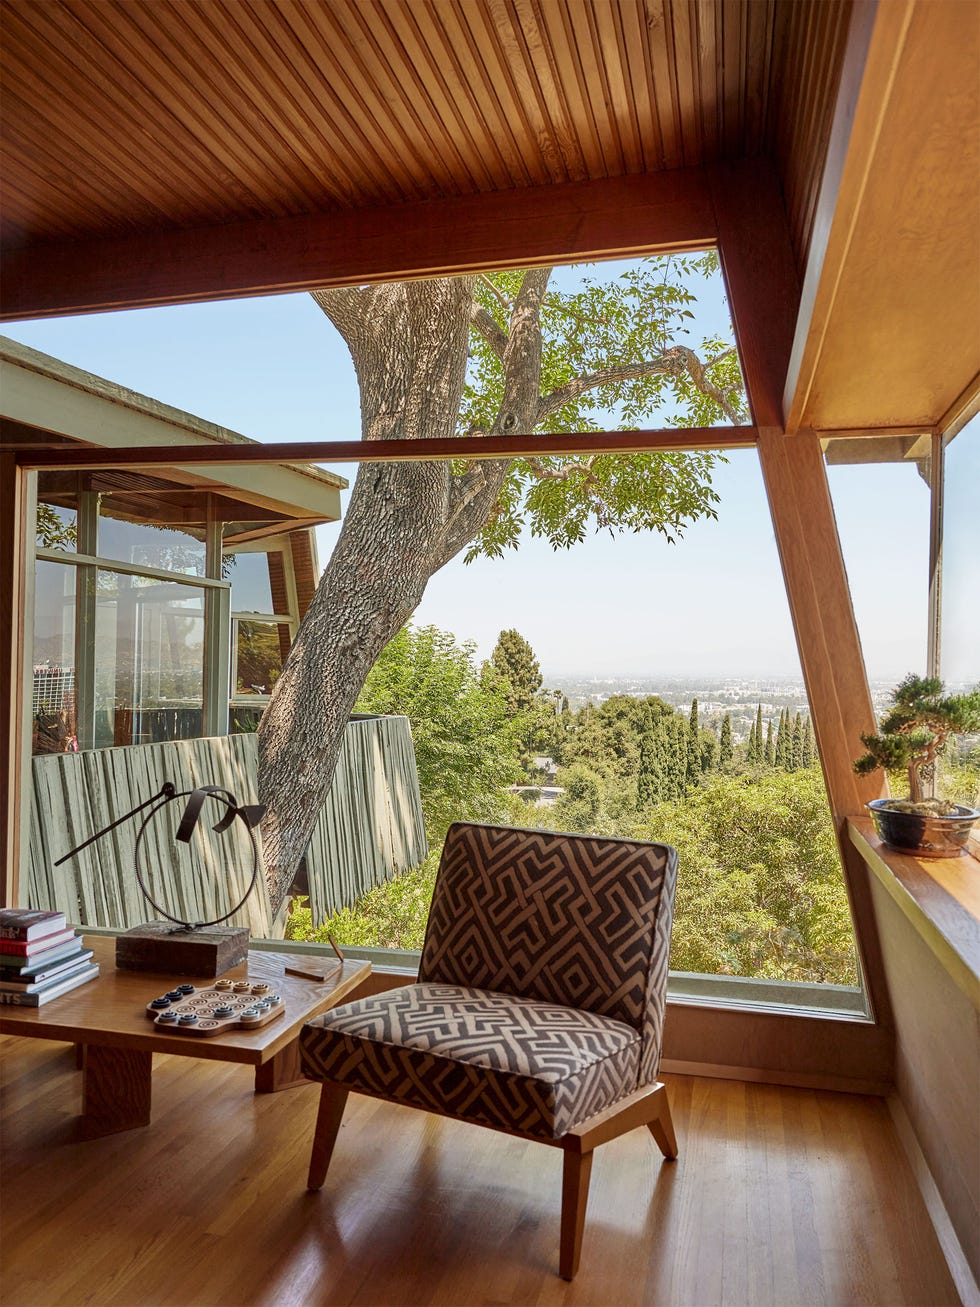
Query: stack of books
[[41, 956]]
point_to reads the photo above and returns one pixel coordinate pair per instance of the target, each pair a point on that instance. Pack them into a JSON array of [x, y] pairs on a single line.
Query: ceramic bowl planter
[[927, 836]]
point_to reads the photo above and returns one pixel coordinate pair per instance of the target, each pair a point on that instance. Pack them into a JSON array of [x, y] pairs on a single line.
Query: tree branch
[[561, 473], [492, 333], [612, 375]]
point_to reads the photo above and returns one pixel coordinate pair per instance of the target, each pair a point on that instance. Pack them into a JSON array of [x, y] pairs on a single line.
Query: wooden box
[[174, 951]]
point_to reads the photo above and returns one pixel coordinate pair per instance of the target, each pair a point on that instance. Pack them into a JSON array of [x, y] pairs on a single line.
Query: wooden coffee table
[[107, 1017]]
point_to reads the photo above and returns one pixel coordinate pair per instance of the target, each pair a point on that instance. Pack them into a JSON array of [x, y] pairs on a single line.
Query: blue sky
[[275, 369]]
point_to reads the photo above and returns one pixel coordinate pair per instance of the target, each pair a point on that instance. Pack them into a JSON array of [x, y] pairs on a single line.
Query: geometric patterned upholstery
[[571, 919], [477, 1054]]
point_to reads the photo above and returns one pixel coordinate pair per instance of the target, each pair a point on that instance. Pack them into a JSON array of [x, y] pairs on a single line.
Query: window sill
[[939, 896]]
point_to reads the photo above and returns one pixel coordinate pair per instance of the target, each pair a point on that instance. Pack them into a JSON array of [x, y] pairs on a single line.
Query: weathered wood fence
[[370, 828]]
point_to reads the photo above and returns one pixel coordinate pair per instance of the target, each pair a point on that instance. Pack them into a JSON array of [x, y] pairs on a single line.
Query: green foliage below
[[465, 741], [760, 891]]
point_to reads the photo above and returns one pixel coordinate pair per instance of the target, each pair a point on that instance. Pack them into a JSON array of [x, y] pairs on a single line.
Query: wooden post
[[16, 494]]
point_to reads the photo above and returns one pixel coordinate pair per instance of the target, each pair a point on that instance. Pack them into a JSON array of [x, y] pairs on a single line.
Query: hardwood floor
[[780, 1196]]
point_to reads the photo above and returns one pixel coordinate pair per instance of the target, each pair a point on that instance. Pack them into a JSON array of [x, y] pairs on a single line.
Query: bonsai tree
[[915, 730]]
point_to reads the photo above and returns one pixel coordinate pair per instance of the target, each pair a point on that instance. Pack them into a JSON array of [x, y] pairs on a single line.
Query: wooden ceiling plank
[[550, 92], [263, 73], [575, 222], [687, 72], [582, 23], [617, 56], [731, 20], [707, 54], [759, 54], [569, 82], [663, 89], [342, 144], [481, 75], [442, 114], [497, 28], [638, 40]]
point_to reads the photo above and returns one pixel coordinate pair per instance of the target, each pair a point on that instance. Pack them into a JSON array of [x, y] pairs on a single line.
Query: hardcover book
[[34, 980], [17, 998], [14, 964], [28, 947], [29, 923]]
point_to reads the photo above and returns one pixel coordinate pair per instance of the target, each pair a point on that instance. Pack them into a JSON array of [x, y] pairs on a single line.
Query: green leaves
[[613, 353]]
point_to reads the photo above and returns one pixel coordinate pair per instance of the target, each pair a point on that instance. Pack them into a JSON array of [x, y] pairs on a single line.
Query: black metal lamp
[[184, 948]]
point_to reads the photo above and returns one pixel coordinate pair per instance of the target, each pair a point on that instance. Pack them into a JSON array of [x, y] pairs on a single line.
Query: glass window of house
[[149, 660], [882, 490], [260, 650], [57, 512], [258, 582], [170, 547], [54, 718]]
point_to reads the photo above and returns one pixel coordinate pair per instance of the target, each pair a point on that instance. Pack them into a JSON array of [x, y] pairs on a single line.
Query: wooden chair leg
[[333, 1100], [662, 1126], [574, 1200]]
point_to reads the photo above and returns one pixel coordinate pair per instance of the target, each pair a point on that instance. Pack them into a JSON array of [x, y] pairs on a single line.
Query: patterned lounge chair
[[539, 1006]]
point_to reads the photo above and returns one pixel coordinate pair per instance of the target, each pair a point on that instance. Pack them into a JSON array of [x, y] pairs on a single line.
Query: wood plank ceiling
[[123, 118]]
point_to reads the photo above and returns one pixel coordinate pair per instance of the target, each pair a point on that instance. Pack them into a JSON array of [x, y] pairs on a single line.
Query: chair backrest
[[571, 919]]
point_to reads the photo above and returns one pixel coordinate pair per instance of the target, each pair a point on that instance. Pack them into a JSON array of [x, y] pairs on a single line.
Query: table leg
[[283, 1071], [116, 1089]]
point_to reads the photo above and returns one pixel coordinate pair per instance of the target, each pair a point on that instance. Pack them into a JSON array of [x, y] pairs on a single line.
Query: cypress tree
[[797, 742], [750, 747], [759, 738], [809, 745], [725, 749], [693, 747], [782, 740], [770, 746]]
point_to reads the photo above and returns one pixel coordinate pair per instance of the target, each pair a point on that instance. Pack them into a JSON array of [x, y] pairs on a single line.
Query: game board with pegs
[[225, 1005]]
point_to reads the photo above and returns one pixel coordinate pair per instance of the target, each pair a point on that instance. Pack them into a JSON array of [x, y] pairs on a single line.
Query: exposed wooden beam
[[760, 272], [517, 228], [383, 451]]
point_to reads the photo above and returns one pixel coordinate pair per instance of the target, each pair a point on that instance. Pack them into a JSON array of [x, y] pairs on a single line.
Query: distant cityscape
[[737, 697]]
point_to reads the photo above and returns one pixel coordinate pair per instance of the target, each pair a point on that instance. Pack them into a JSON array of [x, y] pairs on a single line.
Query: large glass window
[[636, 687], [167, 546]]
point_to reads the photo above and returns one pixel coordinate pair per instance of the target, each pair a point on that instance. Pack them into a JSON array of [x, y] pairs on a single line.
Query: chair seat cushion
[[476, 1054]]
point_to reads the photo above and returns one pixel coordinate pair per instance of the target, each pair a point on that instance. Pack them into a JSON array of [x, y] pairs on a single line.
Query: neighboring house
[[163, 605], [164, 602]]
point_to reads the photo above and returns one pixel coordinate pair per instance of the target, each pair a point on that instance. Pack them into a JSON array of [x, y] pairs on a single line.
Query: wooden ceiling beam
[[565, 223], [382, 451]]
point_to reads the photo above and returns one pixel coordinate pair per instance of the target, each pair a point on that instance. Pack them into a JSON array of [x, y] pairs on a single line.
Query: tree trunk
[[409, 345]]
